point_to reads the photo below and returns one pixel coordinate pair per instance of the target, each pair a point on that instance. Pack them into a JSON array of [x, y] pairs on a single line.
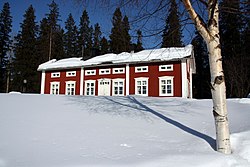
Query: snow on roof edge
[[161, 54]]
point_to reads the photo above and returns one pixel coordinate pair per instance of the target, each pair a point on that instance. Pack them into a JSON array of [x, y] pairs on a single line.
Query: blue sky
[[101, 14]]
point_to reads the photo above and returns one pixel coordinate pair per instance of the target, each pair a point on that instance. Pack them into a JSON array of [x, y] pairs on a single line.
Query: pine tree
[[70, 37], [104, 46], [5, 42], [85, 36], [97, 40], [172, 33], [26, 62]]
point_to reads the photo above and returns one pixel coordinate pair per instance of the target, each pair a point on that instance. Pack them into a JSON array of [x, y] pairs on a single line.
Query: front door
[[104, 87]]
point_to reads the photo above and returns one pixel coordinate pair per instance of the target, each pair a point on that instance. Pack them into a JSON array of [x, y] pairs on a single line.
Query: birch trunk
[[210, 33]]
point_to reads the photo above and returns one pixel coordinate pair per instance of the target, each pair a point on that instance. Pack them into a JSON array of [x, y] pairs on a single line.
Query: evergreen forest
[[38, 42]]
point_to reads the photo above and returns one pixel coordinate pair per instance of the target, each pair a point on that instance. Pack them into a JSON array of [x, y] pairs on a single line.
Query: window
[[104, 71], [141, 86], [168, 67], [70, 73], [90, 87], [70, 88], [90, 72], [166, 86], [55, 74], [118, 87], [118, 70], [54, 88], [141, 69]]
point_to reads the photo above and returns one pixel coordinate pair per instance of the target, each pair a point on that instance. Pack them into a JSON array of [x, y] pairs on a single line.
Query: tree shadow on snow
[[211, 141]]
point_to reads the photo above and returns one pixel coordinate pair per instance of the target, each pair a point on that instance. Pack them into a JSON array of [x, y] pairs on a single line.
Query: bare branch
[[204, 2], [199, 23]]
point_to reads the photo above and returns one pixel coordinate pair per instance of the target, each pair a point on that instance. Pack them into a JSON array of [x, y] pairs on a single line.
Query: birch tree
[[210, 33], [208, 28]]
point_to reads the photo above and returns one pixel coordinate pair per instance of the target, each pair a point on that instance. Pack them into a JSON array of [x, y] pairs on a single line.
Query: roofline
[[112, 64], [59, 68]]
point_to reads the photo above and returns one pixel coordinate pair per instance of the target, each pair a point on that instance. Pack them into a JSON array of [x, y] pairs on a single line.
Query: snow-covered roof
[[61, 64], [162, 54]]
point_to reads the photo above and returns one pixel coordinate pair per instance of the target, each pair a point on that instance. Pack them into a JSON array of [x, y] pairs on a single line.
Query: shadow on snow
[[211, 141]]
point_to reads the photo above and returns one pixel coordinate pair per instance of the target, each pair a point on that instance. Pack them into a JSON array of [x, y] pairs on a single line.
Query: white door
[[104, 87]]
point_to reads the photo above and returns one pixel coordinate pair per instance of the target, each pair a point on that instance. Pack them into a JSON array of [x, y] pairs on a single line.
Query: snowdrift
[[81, 131]]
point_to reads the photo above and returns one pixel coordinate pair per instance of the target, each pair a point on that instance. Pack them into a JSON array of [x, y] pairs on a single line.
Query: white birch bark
[[210, 33]]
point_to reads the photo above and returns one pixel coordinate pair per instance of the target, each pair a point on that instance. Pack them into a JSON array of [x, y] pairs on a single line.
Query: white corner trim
[[127, 79], [81, 81], [184, 84], [191, 83], [43, 82]]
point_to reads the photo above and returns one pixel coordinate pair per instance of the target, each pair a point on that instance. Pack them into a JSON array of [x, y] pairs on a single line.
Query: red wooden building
[[158, 72]]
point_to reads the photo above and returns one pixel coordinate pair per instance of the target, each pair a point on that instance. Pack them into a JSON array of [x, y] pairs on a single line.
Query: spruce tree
[[246, 46], [70, 37], [97, 40], [126, 39], [43, 41], [120, 40], [5, 42], [139, 41], [26, 77], [201, 79], [55, 32], [116, 36], [85, 36], [172, 33], [104, 46], [231, 42]]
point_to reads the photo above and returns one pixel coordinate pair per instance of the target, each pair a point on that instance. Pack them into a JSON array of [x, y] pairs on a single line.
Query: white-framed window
[[70, 73], [90, 87], [104, 71], [54, 88], [166, 86], [141, 86], [141, 69], [55, 74], [118, 87], [90, 72], [118, 70], [168, 67], [70, 88]]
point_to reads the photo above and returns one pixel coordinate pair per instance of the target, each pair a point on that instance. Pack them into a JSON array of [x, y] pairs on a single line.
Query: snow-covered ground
[[78, 131]]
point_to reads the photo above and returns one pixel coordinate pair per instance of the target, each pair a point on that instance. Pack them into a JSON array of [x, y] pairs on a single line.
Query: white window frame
[[166, 78], [141, 69], [90, 72], [52, 91], [86, 88], [141, 79], [166, 67], [104, 71], [118, 70], [118, 80], [70, 73], [55, 74], [70, 88]]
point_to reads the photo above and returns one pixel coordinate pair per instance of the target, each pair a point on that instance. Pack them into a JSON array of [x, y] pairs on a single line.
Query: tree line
[[37, 43]]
